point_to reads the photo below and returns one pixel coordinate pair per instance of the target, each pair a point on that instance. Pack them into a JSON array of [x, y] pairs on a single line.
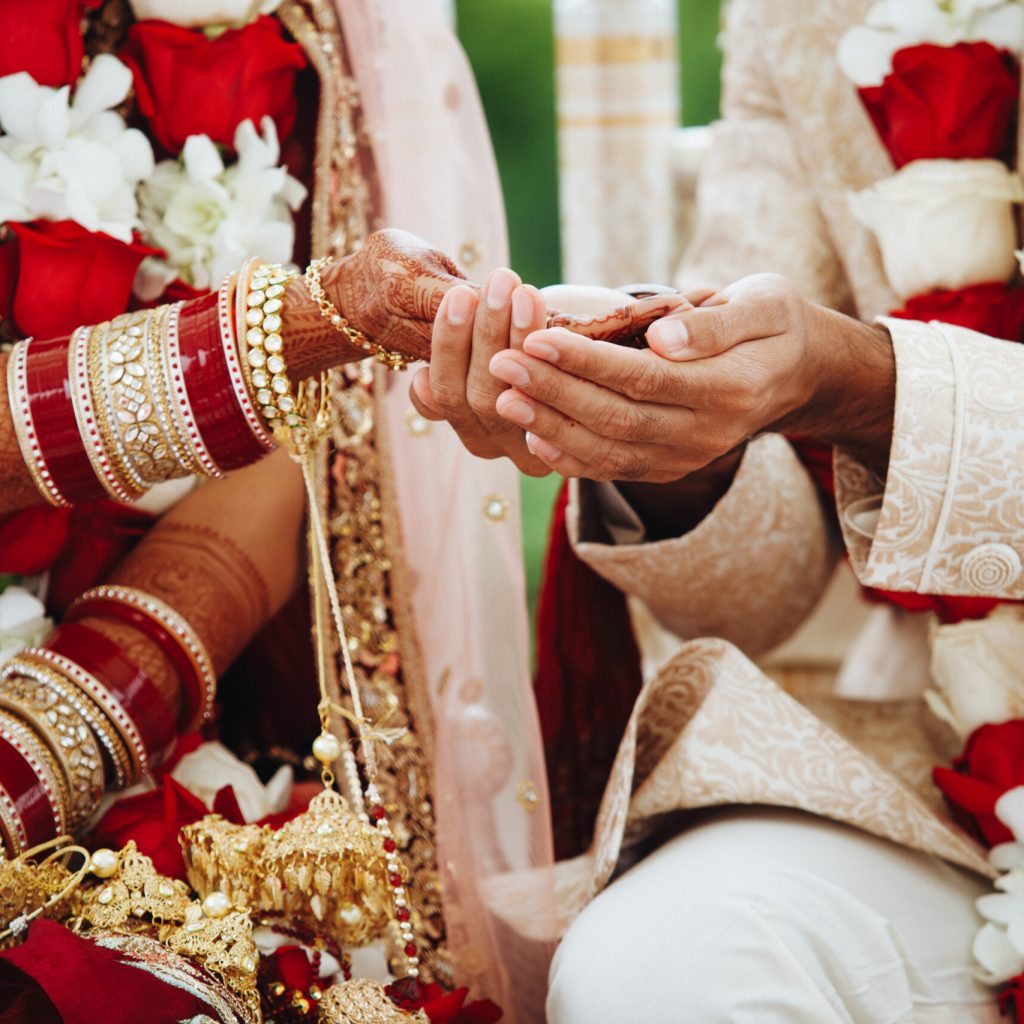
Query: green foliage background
[[511, 47]]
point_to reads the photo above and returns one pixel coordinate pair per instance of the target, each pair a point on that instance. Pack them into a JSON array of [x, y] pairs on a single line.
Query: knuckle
[[628, 464], [447, 397], [481, 400], [647, 383]]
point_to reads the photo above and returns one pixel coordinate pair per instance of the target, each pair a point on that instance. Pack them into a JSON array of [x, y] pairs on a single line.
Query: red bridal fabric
[[991, 764], [178, 72], [83, 983], [952, 102], [44, 39], [588, 678], [63, 276]]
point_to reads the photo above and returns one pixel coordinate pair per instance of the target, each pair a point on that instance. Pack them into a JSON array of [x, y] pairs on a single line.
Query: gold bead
[[103, 863], [326, 748]]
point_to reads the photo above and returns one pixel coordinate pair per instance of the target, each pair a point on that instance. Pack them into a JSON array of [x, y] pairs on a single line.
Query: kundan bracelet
[[170, 631], [116, 760], [32, 781], [67, 736]]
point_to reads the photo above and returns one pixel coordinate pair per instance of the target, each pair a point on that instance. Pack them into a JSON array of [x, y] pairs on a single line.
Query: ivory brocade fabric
[[710, 727]]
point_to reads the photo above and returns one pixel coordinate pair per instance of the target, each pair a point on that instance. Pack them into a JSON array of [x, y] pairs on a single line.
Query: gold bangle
[[92, 714], [392, 360], [156, 354], [12, 828], [34, 698], [49, 891], [16, 731], [84, 375]]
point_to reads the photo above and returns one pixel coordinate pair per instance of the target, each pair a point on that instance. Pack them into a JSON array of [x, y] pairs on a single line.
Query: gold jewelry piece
[[134, 898], [331, 313], [92, 714], [264, 301], [324, 870], [93, 425], [364, 1002], [16, 731], [31, 889], [69, 738]]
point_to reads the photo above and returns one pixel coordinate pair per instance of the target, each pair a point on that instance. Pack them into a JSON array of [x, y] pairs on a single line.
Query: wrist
[[854, 372]]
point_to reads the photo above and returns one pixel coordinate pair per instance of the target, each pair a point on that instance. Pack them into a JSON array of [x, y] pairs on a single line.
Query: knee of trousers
[[753, 955]]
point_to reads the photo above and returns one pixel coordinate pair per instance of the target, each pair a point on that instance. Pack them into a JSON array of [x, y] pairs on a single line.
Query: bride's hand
[[390, 290]]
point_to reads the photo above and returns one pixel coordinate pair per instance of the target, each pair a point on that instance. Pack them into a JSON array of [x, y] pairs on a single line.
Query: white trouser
[[761, 916]]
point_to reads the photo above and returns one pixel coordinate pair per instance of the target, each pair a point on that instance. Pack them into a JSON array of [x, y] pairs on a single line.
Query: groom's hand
[[471, 328], [756, 357]]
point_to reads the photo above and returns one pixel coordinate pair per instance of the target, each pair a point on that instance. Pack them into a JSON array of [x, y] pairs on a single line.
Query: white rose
[[943, 223], [197, 13], [978, 669], [865, 52], [212, 766], [23, 621]]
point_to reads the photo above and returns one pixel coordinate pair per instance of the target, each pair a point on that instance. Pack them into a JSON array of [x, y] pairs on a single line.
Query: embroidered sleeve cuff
[[949, 518]]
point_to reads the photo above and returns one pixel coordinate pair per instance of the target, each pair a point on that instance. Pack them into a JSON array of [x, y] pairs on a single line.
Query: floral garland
[[940, 80]]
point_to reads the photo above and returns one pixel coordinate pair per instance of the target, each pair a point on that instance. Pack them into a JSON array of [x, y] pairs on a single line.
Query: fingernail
[[672, 335], [500, 288], [511, 372], [542, 449], [541, 349], [522, 309], [516, 410], [459, 306]]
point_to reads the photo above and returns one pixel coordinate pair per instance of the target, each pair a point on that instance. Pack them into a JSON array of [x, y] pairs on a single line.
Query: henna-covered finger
[[625, 325]]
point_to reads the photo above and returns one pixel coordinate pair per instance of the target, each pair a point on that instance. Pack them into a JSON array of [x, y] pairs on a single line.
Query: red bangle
[[211, 390], [134, 692], [52, 409], [24, 781], [181, 647]]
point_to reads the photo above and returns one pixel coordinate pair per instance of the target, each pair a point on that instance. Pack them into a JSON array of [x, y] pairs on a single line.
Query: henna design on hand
[[625, 325]]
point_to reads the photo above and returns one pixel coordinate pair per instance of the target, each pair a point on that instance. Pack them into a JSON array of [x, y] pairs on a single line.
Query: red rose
[[1011, 999], [442, 1007], [991, 764], [44, 38], [187, 84], [67, 276], [153, 820], [953, 102], [995, 309]]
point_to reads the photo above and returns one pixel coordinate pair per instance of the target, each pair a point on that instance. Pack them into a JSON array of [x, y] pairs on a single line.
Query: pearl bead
[[350, 914], [326, 748], [103, 863], [216, 905]]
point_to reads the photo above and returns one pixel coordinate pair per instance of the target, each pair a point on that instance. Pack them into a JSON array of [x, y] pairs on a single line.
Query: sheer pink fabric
[[439, 181]]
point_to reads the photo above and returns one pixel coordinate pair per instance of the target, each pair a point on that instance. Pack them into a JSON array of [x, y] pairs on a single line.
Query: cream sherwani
[[711, 728]]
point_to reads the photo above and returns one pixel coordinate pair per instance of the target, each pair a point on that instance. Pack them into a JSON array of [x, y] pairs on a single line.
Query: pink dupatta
[[460, 525]]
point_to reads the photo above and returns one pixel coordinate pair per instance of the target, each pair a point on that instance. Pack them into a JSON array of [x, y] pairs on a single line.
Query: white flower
[[64, 158], [978, 669], [197, 13], [865, 52], [943, 223], [209, 219], [23, 621], [212, 766]]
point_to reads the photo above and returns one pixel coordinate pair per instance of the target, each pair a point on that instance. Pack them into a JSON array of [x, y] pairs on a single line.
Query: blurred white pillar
[[618, 108]]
